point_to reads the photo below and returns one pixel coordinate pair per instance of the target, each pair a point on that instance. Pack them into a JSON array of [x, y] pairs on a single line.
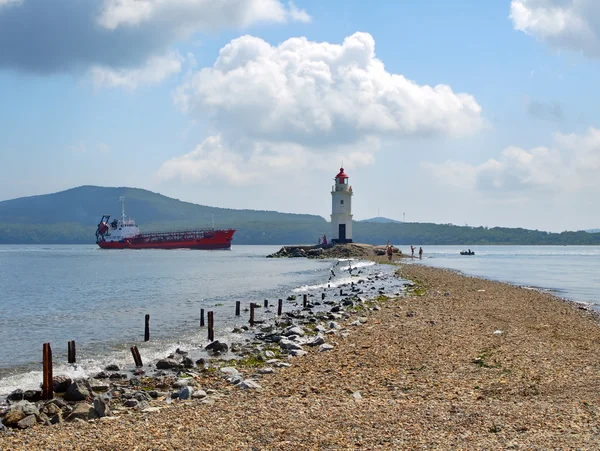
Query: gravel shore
[[461, 363]]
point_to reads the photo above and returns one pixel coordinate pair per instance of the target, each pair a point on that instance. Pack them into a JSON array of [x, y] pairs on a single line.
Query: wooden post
[[280, 307], [341, 291], [136, 357], [201, 317], [211, 332], [252, 314], [304, 300], [71, 352], [266, 303], [147, 328], [47, 378], [237, 308]]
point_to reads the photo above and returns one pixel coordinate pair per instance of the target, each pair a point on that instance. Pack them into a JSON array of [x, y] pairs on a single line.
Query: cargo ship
[[125, 234]]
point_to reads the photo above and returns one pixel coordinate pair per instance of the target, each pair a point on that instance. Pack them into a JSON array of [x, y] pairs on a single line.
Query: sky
[[462, 112]]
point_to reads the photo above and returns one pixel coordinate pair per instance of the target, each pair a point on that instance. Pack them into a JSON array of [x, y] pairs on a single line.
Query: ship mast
[[122, 199]]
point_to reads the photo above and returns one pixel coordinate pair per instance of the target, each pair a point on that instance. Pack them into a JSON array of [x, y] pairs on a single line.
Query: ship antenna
[[122, 199], [213, 221]]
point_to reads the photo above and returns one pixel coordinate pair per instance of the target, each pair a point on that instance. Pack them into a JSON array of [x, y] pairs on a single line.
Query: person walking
[[420, 253], [412, 251]]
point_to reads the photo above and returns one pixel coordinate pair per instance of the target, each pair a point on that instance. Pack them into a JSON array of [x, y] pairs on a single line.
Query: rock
[[295, 330], [101, 408], [187, 362], [289, 345], [248, 384], [13, 417], [318, 340], [117, 376], [185, 382], [16, 395], [131, 403], [61, 383], [151, 409], [142, 396], [266, 370], [143, 405], [200, 362], [269, 354], [335, 308], [229, 371], [297, 352], [217, 347], [139, 372], [199, 394], [357, 395], [82, 411], [153, 394], [56, 419], [79, 390], [27, 422], [51, 409], [185, 393], [334, 325], [112, 367], [167, 364], [101, 375], [325, 347], [97, 385]]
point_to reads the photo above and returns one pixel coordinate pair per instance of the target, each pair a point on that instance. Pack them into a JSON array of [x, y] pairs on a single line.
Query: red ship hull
[[185, 239]]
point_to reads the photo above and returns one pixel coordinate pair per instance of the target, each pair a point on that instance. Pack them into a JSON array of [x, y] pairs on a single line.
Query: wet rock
[[61, 383], [131, 403], [167, 364], [217, 347], [97, 385], [27, 422], [200, 362], [295, 330], [187, 362], [16, 395], [139, 372], [185, 393], [112, 367], [82, 411], [101, 375], [79, 390], [117, 376]]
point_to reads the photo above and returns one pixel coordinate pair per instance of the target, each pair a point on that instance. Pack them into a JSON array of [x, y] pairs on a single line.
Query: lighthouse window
[[342, 202]]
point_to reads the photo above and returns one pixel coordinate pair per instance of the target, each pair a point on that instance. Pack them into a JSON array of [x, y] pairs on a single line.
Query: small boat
[[469, 252]]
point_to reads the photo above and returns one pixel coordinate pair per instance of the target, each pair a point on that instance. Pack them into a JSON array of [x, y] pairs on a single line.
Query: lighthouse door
[[342, 233]]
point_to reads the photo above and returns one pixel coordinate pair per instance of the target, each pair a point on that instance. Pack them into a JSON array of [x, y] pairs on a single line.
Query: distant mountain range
[[593, 231], [382, 220], [71, 217]]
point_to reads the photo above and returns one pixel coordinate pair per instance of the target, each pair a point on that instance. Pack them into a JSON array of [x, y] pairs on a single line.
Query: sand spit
[[460, 363]]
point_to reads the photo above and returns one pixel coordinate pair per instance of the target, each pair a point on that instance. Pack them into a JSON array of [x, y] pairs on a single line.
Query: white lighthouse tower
[[341, 209]]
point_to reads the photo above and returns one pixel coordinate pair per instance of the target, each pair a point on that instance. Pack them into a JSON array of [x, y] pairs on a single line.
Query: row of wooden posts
[[48, 386]]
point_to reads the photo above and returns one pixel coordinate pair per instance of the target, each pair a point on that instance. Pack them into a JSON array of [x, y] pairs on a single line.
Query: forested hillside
[[71, 217]]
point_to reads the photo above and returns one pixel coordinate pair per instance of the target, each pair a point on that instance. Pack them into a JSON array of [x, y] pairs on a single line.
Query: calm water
[[99, 299], [568, 271]]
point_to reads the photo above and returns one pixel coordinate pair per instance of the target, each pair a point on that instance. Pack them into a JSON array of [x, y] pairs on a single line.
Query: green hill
[[71, 216]]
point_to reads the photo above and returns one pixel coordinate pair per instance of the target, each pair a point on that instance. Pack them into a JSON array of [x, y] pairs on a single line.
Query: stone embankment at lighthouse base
[[349, 250]]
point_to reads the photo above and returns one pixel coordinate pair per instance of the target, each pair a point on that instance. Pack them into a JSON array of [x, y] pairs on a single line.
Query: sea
[[570, 272], [99, 299]]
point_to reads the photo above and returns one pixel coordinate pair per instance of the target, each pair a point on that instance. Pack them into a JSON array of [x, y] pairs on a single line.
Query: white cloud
[[190, 16], [155, 70], [9, 2], [257, 163], [308, 92], [308, 104], [571, 165], [569, 24]]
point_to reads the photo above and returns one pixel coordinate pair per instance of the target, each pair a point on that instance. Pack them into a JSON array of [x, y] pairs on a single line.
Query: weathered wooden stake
[[201, 317], [137, 358], [252, 314], [211, 331], [237, 308], [304, 300], [47, 378], [147, 328], [341, 291], [266, 303], [280, 307], [71, 358]]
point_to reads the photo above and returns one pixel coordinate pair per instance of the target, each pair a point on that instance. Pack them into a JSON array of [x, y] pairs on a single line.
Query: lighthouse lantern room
[[341, 209]]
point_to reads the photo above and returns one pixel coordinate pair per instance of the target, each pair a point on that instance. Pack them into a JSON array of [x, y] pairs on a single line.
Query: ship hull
[[217, 239]]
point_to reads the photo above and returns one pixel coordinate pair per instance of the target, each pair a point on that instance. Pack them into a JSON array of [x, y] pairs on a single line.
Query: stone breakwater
[[351, 250], [177, 378]]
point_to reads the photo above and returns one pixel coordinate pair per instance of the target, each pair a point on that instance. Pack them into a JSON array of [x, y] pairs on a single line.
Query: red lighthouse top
[[341, 176]]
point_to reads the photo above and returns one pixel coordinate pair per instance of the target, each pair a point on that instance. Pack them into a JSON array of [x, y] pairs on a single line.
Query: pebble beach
[[457, 363]]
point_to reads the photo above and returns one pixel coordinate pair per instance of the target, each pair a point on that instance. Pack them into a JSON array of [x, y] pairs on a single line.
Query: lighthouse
[[341, 209]]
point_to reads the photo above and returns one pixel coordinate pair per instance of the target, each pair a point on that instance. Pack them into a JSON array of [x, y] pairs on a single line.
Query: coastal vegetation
[[71, 217]]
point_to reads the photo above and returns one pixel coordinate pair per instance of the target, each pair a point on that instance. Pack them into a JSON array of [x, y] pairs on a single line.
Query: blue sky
[[464, 112]]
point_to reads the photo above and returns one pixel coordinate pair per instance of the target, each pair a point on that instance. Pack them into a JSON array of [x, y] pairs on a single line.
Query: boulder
[[27, 422], [289, 345], [82, 411], [199, 394], [187, 362], [294, 330], [16, 395], [13, 417], [101, 407], [131, 403], [79, 390], [112, 367], [248, 384], [185, 393], [167, 364], [61, 383], [318, 340], [217, 347]]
